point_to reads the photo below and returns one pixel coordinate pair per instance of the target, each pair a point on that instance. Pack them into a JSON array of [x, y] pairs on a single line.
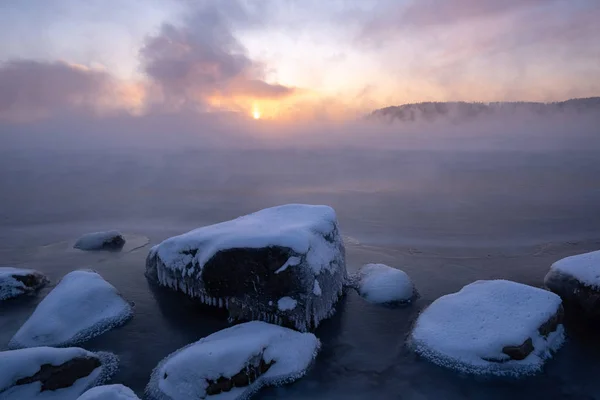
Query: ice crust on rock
[[247, 264], [83, 305], [15, 282], [492, 327], [109, 392], [108, 240], [234, 363], [47, 373], [379, 283]]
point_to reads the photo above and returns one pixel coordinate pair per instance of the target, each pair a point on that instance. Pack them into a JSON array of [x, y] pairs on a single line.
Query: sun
[[256, 113]]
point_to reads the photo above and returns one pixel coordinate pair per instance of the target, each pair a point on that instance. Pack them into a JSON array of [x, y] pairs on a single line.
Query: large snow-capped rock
[[108, 240], [109, 392], [234, 363], [259, 265], [52, 374], [380, 283], [577, 280], [83, 305], [493, 327], [15, 282]]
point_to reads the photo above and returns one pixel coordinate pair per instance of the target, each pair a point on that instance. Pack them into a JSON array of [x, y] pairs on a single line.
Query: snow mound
[[379, 283], [109, 240], [493, 327], [46, 373], [583, 267], [109, 392], [249, 263], [234, 363], [83, 305], [15, 282]]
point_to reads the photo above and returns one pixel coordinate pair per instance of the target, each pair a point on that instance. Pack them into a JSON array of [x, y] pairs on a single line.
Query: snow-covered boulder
[[493, 327], [234, 363], [576, 280], [15, 282], [52, 374], [83, 305], [379, 283], [251, 263], [109, 240], [109, 392]]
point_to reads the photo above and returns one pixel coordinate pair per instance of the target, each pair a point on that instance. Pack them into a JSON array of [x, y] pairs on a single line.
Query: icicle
[[220, 303]]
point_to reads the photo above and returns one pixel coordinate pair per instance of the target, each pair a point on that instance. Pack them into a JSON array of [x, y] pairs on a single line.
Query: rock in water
[[234, 363], [491, 327], [109, 392], [250, 263], [109, 240], [379, 283], [83, 305], [50, 373], [577, 280], [15, 282]]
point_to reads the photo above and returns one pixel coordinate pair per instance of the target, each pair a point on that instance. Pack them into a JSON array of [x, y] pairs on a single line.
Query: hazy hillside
[[465, 111]]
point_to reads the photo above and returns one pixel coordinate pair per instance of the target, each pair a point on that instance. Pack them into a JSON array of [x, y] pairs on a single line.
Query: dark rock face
[[579, 299], [519, 352], [54, 377], [243, 378]]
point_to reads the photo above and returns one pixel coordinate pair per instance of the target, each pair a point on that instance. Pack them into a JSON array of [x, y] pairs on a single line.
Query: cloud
[[31, 90], [202, 59]]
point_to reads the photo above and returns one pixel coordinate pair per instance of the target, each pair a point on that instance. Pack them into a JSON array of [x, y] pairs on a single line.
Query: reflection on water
[[445, 218]]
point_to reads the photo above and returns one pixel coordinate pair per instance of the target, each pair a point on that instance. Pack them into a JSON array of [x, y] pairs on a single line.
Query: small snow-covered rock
[[109, 240], [109, 392], [493, 327], [249, 263], [52, 374], [379, 283], [234, 363], [15, 282], [83, 305], [576, 280]]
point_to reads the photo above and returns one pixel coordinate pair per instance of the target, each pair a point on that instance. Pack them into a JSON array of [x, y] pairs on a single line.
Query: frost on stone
[[47, 373], [577, 280], [83, 305], [234, 363], [493, 327], [109, 240], [15, 282], [379, 283], [286, 304], [247, 264], [109, 392]]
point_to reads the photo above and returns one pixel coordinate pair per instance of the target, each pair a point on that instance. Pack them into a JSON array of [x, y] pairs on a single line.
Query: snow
[[11, 287], [96, 240], [317, 288], [23, 363], [379, 283], [185, 374], [109, 392], [83, 305], [468, 329], [583, 267], [286, 304], [292, 261], [299, 227]]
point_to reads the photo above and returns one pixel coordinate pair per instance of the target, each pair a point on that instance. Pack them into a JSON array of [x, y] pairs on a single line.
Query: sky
[[288, 59]]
